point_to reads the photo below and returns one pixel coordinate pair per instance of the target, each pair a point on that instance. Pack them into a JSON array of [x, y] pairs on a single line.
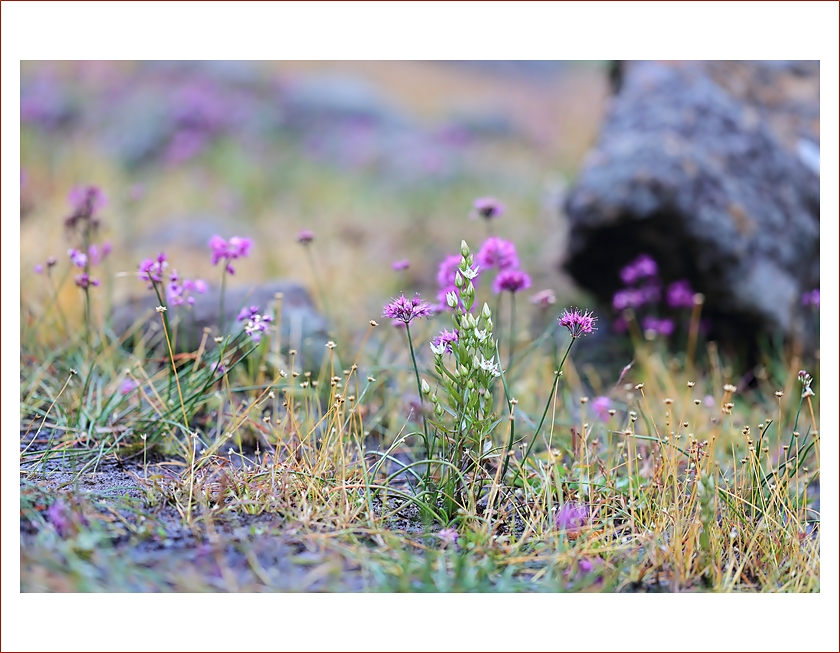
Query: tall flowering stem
[[406, 310], [226, 251], [579, 323]]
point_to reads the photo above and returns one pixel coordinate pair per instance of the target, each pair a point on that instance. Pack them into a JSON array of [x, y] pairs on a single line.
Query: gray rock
[[697, 165], [302, 327]]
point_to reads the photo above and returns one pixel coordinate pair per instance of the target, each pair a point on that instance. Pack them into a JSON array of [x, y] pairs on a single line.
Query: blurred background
[[381, 160]]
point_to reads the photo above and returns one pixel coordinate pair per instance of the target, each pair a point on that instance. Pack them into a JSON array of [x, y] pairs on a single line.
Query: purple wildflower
[[96, 254], [497, 253], [178, 292], [223, 250], [447, 269], [642, 267], [579, 323], [400, 265], [59, 516], [255, 323], [511, 281], [39, 269], [488, 207], [87, 199], [128, 386], [664, 327], [680, 294], [544, 298], [811, 298], [305, 236], [85, 281], [601, 406], [448, 535], [571, 517], [443, 342], [405, 310], [78, 258], [152, 270]]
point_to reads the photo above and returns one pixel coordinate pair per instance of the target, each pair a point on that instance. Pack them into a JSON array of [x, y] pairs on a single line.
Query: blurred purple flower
[[571, 517], [59, 516], [305, 236], [488, 207], [640, 268], [811, 298], [179, 292], [601, 406], [78, 258], [448, 535], [497, 253], [39, 269], [152, 270], [447, 269], [663, 327], [400, 265], [87, 200], [255, 323], [511, 281], [128, 386], [85, 281], [235, 248], [544, 298], [680, 294], [406, 310], [579, 323]]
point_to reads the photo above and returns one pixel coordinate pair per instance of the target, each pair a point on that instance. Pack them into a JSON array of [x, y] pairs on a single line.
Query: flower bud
[[485, 311], [424, 387], [465, 250]]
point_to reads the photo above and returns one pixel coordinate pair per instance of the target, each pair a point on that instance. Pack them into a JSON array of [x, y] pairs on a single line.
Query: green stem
[[222, 302], [318, 285], [420, 393], [512, 334], [545, 412]]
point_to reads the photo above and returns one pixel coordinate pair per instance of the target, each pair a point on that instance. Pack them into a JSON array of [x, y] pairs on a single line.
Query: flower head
[[405, 310], [544, 298], [180, 291], [224, 250], [85, 281], [642, 267], [811, 298], [448, 535], [79, 259], [680, 294], [488, 207], [305, 236], [571, 517], [601, 406], [447, 269], [579, 323], [255, 322], [663, 327], [128, 386], [442, 343], [400, 265], [497, 253], [152, 270], [511, 281]]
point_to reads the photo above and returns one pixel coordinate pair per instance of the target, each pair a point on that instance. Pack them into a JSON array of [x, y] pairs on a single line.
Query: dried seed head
[[371, 379], [696, 402], [780, 394], [690, 384], [161, 309], [583, 400], [330, 345], [218, 340], [640, 386], [374, 323], [729, 388], [668, 401], [611, 412]]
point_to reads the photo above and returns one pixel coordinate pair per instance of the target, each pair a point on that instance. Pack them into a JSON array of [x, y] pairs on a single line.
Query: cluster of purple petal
[[179, 292], [405, 310], [227, 251], [400, 265], [497, 253], [811, 298], [87, 200], [446, 339], [50, 263], [571, 517], [579, 323], [636, 297], [511, 281], [153, 270], [488, 207], [544, 298], [680, 294], [642, 267], [663, 327], [255, 322], [305, 236]]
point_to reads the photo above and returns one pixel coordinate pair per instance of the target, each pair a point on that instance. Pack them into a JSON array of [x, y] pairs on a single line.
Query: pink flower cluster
[[229, 250], [255, 322], [404, 310]]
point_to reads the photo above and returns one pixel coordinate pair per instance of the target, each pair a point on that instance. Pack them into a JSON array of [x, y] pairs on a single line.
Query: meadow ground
[[403, 462]]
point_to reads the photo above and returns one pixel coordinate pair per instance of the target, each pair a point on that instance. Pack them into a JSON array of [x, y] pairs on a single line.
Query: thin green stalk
[[512, 334], [545, 412], [318, 285], [420, 393], [222, 303]]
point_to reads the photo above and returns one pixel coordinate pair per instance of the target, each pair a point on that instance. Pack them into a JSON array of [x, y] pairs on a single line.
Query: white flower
[[490, 366], [469, 273], [437, 350], [451, 299]]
